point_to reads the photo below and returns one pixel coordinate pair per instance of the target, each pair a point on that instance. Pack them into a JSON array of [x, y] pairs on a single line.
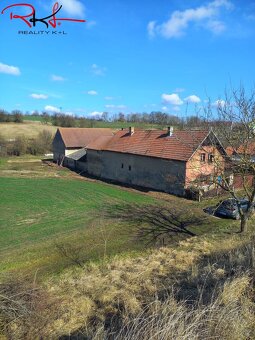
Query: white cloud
[[179, 89], [95, 114], [92, 93], [108, 98], [164, 108], [97, 70], [219, 103], [38, 96], [115, 107], [216, 26], [179, 21], [172, 99], [13, 70], [73, 7], [192, 99], [57, 78], [151, 28], [52, 109]]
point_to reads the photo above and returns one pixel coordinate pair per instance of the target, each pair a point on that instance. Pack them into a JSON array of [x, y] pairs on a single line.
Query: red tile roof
[[99, 143], [248, 149], [81, 137], [154, 143]]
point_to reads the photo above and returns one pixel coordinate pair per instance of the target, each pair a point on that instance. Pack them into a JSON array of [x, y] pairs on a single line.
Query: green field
[[46, 210], [37, 213], [33, 118]]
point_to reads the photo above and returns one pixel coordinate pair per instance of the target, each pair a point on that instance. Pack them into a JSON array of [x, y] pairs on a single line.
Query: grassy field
[[28, 128], [39, 214], [77, 264], [33, 118], [44, 208]]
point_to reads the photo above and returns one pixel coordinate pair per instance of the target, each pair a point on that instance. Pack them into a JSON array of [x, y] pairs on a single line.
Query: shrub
[[17, 116], [19, 147], [42, 144], [3, 147]]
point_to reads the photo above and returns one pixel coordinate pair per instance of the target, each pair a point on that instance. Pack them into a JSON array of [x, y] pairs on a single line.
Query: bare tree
[[20, 146], [17, 116], [235, 127], [71, 252]]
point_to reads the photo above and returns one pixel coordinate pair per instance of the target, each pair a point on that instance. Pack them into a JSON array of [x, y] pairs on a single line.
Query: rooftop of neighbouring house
[[247, 148], [81, 137], [167, 144]]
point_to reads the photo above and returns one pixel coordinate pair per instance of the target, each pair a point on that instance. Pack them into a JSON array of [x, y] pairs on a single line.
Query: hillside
[[28, 128], [47, 209], [202, 289]]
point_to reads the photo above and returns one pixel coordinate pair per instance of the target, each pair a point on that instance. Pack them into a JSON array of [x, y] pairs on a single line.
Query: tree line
[[65, 120], [15, 116]]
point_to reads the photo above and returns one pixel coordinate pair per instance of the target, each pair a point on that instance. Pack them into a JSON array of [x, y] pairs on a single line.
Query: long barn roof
[[153, 143]]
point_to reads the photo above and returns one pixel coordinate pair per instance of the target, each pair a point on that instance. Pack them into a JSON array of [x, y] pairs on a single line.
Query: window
[[210, 158], [129, 167], [202, 157], [122, 166]]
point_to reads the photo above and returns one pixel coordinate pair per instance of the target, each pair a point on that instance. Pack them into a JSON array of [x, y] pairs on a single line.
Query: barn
[[168, 160], [69, 144]]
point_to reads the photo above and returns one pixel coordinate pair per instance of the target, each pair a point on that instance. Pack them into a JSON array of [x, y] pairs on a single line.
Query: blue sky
[[129, 56]]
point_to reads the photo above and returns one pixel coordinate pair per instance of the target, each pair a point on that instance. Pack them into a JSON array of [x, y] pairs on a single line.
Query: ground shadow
[[155, 222]]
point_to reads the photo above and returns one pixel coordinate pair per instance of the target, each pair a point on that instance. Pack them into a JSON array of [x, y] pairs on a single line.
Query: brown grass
[[193, 286], [221, 319], [201, 290], [29, 129]]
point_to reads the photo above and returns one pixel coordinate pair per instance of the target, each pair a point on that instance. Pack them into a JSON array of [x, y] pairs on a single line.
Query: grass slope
[[44, 207], [29, 129], [37, 213]]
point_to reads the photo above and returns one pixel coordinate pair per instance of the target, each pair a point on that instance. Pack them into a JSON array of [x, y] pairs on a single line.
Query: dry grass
[[221, 319], [202, 288], [28, 129]]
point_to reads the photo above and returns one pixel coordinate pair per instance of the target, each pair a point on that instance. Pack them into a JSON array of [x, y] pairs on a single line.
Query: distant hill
[[28, 128]]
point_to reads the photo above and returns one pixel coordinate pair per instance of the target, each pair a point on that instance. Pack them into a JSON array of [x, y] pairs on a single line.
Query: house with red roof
[[169, 161]]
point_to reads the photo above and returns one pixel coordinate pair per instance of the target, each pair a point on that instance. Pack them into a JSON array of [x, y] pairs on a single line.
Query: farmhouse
[[170, 161]]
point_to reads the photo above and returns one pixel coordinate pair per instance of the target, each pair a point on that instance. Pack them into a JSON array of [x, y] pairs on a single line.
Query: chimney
[[131, 130], [170, 131]]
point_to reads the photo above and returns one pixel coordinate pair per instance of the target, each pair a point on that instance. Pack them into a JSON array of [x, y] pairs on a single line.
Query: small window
[[202, 157], [210, 158], [129, 167], [122, 166]]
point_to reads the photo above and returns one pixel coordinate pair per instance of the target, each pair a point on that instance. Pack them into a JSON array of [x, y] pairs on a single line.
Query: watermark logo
[[31, 20]]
